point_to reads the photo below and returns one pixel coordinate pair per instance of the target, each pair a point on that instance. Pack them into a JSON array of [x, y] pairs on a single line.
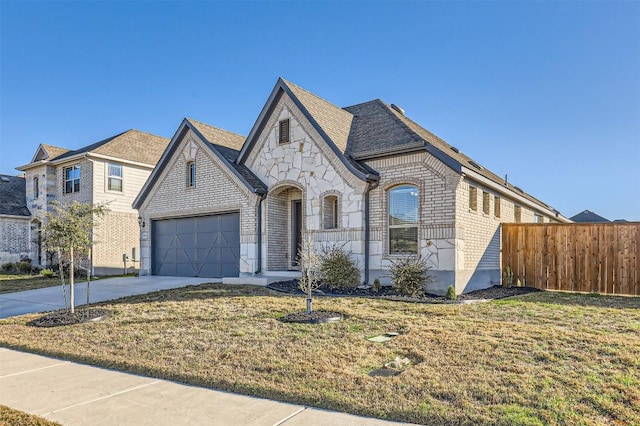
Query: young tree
[[310, 263], [68, 228]]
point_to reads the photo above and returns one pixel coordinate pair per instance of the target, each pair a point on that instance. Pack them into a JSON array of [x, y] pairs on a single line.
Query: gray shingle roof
[[13, 196], [380, 130], [588, 216], [132, 145], [228, 144], [53, 151], [335, 121]]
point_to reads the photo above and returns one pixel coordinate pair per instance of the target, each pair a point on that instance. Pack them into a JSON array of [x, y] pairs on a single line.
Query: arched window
[[403, 219], [330, 212]]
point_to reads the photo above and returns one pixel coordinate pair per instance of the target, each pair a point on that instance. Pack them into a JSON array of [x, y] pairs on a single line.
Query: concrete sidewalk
[[76, 394], [50, 298]]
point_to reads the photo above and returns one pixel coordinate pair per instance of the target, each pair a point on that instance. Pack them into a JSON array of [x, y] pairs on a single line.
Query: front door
[[296, 228]]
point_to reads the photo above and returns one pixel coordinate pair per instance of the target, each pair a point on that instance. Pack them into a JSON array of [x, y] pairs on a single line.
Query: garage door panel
[[206, 246]]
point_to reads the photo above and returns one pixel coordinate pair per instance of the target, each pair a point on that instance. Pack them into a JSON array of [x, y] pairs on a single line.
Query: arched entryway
[[285, 226]]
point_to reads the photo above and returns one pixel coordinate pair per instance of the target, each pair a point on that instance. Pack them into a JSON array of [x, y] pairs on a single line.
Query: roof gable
[[47, 152], [132, 145], [331, 122], [13, 196], [219, 141]]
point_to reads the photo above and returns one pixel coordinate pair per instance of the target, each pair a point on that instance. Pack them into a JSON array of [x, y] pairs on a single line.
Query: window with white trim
[[330, 212], [71, 179], [403, 219], [114, 177]]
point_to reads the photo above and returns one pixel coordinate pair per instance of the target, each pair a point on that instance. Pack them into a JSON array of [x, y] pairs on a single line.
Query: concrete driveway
[[50, 298]]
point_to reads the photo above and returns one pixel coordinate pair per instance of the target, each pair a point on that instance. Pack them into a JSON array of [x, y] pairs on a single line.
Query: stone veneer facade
[[460, 244]]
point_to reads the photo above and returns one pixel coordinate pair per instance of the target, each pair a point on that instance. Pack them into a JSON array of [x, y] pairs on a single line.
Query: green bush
[[410, 275], [451, 293], [47, 273], [23, 267], [7, 267], [377, 285], [337, 268]]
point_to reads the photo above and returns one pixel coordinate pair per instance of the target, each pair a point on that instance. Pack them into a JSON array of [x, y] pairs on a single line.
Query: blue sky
[[546, 92]]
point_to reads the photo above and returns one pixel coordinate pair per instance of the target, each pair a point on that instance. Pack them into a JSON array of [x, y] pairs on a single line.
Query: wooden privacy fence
[[587, 257]]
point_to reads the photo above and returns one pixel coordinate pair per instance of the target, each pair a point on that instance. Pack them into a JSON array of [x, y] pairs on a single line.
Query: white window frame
[[111, 177], [72, 180]]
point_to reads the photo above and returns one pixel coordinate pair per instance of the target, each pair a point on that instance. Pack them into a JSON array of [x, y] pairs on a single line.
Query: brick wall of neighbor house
[[115, 234], [436, 187], [217, 190], [86, 182], [14, 238], [48, 189], [478, 235], [306, 163], [118, 232]]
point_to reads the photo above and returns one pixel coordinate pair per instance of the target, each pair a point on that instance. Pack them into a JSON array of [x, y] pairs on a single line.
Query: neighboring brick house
[[110, 171], [14, 219], [365, 176]]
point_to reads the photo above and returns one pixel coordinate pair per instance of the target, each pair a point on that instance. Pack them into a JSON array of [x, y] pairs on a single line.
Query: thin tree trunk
[[71, 284]]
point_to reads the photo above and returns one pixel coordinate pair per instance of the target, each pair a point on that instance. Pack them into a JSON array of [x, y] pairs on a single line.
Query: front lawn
[[10, 283], [544, 358]]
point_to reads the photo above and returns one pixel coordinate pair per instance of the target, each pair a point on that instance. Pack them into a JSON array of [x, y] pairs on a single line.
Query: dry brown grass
[[11, 417], [10, 283], [544, 358]]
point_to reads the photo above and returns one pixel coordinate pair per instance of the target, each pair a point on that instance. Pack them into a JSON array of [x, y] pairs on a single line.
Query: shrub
[[337, 268], [409, 275], [451, 293], [47, 273], [507, 277], [7, 267], [23, 267], [377, 285]]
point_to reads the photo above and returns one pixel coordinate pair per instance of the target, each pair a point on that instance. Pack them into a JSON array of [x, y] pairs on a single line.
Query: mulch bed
[[388, 292], [316, 317], [64, 317]]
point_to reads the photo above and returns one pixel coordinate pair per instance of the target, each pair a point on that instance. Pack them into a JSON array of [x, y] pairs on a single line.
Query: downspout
[[259, 269], [367, 229]]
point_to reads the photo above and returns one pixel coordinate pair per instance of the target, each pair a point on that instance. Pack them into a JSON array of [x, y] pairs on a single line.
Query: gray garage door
[[204, 246]]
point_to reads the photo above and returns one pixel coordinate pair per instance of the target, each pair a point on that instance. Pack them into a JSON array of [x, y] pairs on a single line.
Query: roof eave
[[514, 195], [224, 160]]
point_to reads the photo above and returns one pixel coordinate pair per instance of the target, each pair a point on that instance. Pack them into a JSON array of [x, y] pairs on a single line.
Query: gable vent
[[397, 108]]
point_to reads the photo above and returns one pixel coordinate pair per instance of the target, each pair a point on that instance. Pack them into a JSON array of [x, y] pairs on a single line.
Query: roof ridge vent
[[476, 165], [397, 108], [4, 178], [454, 149]]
